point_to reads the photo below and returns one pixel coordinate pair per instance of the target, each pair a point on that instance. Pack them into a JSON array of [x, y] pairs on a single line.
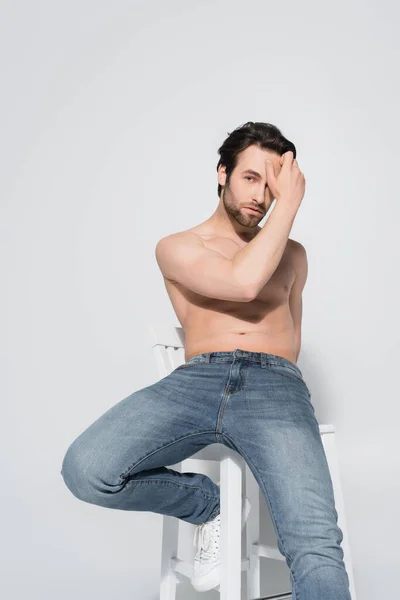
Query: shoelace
[[206, 539]]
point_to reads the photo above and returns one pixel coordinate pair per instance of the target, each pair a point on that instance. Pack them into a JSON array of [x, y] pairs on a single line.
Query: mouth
[[253, 210]]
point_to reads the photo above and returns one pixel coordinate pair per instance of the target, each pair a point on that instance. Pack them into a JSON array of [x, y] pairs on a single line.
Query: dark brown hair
[[263, 135]]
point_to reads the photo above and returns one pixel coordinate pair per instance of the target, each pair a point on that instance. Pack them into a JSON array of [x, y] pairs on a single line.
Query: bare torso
[[263, 325]]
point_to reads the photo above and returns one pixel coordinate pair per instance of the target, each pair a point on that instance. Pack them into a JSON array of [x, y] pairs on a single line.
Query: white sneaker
[[206, 566]]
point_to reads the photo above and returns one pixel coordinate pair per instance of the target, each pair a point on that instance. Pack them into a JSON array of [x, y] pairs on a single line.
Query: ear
[[222, 175]]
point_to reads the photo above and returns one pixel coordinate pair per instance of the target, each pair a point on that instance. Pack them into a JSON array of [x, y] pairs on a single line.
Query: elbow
[[252, 291], [249, 294]]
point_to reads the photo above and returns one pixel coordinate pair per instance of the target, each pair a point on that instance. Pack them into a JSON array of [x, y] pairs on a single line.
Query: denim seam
[[167, 482], [284, 366], [214, 514], [298, 379], [127, 471]]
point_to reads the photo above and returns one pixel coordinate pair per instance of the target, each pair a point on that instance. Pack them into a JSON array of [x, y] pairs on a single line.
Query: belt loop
[[263, 360], [207, 356]]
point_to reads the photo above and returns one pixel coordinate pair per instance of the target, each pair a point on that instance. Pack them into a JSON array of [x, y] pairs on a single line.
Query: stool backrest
[[168, 344]]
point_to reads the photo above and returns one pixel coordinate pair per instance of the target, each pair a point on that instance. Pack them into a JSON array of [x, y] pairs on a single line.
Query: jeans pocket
[[190, 363], [183, 366], [291, 374]]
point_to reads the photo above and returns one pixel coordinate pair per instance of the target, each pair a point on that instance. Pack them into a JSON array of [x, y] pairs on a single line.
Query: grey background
[[111, 116]]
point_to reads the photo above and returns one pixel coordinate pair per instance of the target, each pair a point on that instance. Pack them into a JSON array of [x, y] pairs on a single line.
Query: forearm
[[256, 262]]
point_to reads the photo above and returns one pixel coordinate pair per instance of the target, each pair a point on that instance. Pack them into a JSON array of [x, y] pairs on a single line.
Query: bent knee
[[75, 471]]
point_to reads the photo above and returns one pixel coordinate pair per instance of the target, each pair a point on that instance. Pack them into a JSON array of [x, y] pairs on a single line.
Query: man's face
[[248, 185]]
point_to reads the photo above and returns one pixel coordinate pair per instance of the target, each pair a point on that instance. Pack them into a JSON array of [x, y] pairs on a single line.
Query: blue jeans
[[255, 403]]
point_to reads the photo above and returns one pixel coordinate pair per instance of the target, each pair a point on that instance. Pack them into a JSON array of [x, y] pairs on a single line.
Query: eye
[[249, 177]]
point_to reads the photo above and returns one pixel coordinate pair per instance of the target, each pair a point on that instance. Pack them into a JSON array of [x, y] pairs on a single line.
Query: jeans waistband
[[263, 358]]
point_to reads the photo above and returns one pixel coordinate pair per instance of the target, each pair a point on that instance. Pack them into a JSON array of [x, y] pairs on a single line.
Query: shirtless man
[[236, 289], [232, 283]]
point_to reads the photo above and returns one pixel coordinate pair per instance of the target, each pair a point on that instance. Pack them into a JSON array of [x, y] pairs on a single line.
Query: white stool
[[236, 480]]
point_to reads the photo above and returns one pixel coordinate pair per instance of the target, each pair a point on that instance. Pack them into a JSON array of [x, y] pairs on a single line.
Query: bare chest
[[275, 293]]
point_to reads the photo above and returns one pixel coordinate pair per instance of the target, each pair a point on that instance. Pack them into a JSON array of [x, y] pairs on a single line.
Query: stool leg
[[169, 550], [253, 536], [231, 530]]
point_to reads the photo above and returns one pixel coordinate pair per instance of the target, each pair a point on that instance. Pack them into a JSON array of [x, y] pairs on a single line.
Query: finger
[[270, 175], [287, 160]]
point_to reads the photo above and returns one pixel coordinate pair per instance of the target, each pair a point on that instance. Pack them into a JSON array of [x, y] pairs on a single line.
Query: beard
[[235, 209]]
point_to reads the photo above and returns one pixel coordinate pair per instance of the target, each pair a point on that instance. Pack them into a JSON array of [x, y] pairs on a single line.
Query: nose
[[259, 197]]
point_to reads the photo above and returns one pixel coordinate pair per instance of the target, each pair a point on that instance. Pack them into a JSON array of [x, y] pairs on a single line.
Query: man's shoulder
[[181, 235], [296, 244], [297, 248], [176, 242], [298, 256]]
